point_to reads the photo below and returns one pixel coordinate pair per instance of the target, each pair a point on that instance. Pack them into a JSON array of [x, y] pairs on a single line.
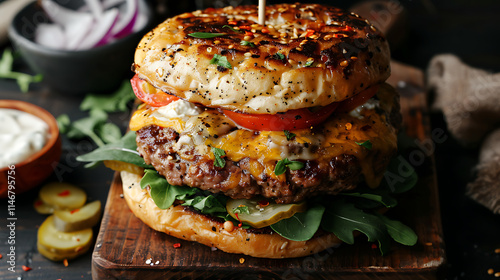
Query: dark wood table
[[472, 233]]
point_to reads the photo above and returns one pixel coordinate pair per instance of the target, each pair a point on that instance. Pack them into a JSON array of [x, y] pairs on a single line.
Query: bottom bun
[[185, 224]]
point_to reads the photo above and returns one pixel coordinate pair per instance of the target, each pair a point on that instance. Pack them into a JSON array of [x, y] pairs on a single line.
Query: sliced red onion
[[106, 4], [126, 20], [77, 31], [50, 35], [141, 20], [60, 14], [95, 7], [101, 30]]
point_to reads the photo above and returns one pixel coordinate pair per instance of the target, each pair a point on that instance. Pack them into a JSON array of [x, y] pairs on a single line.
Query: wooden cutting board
[[124, 244]]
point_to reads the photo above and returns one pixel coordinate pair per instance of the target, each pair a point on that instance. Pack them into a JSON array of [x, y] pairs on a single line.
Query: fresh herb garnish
[[114, 102], [234, 30], [218, 154], [309, 63], [23, 80], [221, 61], [241, 209], [367, 144], [289, 135], [205, 35], [279, 56], [246, 43], [281, 166], [301, 226]]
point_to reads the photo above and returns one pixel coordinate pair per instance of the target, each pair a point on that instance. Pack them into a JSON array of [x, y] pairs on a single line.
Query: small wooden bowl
[[36, 168]]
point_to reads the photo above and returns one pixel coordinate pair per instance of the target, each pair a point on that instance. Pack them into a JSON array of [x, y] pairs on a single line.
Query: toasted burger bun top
[[305, 56]]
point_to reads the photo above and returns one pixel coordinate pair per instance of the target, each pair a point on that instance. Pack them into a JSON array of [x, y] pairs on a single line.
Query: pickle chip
[[78, 219], [63, 195], [260, 213], [51, 255], [42, 207], [63, 243]]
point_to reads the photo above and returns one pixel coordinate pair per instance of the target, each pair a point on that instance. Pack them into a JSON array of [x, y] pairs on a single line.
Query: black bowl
[[98, 69]]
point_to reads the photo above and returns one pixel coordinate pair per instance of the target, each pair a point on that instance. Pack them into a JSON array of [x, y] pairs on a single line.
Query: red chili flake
[[64, 193], [374, 246], [265, 30], [309, 32], [232, 22], [263, 203], [38, 203], [245, 27], [240, 224], [248, 33], [177, 245], [65, 262], [26, 268], [78, 239], [74, 211]]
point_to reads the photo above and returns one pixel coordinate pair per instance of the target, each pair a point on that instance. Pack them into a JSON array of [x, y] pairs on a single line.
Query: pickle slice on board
[[262, 213], [63, 195], [78, 219], [42, 207], [63, 243]]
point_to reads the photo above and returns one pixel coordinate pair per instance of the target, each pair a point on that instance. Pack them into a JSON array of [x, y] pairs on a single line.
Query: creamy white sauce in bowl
[[21, 135]]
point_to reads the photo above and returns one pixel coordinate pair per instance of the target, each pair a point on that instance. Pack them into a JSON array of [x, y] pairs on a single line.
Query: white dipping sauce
[[21, 135]]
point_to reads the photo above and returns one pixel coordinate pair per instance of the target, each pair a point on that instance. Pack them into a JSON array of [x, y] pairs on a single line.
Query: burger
[[266, 140]]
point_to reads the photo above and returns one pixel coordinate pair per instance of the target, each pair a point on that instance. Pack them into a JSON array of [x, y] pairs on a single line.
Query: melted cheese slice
[[338, 135]]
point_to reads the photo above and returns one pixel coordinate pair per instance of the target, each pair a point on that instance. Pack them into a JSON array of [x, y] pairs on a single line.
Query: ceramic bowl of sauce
[[30, 146]]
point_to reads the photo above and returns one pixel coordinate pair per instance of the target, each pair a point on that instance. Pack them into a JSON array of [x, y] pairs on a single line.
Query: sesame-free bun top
[[304, 56]]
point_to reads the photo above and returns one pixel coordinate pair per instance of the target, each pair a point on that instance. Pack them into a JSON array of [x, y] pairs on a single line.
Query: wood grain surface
[[124, 244]]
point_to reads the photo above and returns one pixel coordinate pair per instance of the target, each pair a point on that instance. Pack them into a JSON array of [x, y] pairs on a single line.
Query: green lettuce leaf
[[342, 218], [206, 204], [301, 226], [162, 193]]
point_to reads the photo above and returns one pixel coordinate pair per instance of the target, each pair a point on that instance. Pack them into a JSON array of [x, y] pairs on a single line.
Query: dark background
[[468, 29]]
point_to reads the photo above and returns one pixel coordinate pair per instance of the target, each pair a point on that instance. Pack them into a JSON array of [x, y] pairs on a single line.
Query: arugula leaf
[[23, 80], [309, 63], [289, 136], [114, 102], [367, 144], [281, 166], [279, 56], [398, 231], [246, 43], [64, 123], [206, 204], [342, 218], [109, 132], [234, 30], [162, 193], [221, 61], [301, 226], [241, 209], [122, 150], [218, 154], [86, 126], [381, 197], [205, 35], [400, 176]]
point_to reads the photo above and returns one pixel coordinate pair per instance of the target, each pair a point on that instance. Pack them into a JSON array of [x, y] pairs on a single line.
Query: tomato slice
[[149, 94], [359, 99], [291, 120]]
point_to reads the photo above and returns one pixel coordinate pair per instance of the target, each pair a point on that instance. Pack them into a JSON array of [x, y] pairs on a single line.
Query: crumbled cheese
[[177, 109], [369, 105]]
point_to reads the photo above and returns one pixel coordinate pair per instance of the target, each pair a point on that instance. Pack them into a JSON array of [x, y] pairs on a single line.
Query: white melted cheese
[[21, 135], [368, 105], [177, 109]]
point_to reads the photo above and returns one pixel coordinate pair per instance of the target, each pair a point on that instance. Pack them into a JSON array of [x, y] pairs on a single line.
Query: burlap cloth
[[470, 101]]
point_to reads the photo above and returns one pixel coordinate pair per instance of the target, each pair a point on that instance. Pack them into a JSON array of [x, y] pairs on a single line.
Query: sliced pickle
[[42, 207], [63, 196], [78, 219], [261, 212], [123, 166], [52, 255], [63, 243]]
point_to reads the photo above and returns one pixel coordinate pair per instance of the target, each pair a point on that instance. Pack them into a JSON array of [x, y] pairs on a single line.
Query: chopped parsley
[[242, 209], [246, 43], [289, 135], [309, 63], [221, 61], [279, 56], [281, 166], [219, 153], [367, 144]]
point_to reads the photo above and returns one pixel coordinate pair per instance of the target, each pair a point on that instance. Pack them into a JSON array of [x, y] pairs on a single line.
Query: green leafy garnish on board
[[367, 144], [205, 35], [285, 163], [219, 154], [246, 43], [114, 102], [23, 80], [221, 61]]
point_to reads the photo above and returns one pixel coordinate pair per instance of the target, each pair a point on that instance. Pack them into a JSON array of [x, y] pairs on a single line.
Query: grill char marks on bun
[[229, 103], [305, 56]]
